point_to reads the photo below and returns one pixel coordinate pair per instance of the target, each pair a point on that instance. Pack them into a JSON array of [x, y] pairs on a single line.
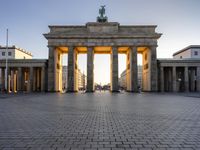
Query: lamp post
[[6, 72]]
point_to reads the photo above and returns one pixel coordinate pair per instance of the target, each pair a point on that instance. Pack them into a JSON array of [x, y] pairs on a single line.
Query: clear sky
[[27, 20]]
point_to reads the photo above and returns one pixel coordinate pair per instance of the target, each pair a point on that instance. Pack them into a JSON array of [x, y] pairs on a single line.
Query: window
[[181, 57], [195, 52], [9, 53], [3, 53]]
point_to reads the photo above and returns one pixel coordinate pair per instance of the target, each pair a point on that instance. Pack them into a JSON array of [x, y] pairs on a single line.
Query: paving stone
[[99, 121]]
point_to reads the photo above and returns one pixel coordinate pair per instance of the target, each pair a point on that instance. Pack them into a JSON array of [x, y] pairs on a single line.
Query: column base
[[89, 91], [115, 91], [130, 91], [71, 91]]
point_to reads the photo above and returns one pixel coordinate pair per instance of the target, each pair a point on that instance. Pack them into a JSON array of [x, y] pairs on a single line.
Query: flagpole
[[6, 76]]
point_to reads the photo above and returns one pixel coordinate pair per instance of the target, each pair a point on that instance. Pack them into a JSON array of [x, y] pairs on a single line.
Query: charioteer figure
[[102, 12]]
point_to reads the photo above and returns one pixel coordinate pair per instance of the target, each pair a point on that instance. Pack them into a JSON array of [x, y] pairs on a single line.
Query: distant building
[[192, 51], [14, 53], [64, 77], [123, 79], [83, 81], [81, 78], [140, 76]]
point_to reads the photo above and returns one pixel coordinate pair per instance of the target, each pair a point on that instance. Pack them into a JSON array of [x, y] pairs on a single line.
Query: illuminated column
[[76, 77], [114, 70], [162, 79], [186, 80], [12, 80], [198, 78], [153, 69], [31, 79], [133, 73], [19, 79], [43, 79], [174, 79], [90, 69], [71, 70], [56, 77]]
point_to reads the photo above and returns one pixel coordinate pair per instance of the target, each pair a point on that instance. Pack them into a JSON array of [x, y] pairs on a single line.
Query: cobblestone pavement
[[99, 121]]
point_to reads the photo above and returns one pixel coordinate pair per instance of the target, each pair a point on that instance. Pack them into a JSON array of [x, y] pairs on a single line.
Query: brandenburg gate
[[102, 37]]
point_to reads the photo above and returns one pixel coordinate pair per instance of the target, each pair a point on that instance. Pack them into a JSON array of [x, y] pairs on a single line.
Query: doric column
[[56, 74], [30, 79], [34, 79], [3, 78], [12, 80], [19, 79], [169, 80], [162, 79], [192, 80], [51, 69], [38, 80], [24, 83], [1, 69], [43, 79], [198, 78], [114, 70], [8, 80], [153, 69], [133, 69], [71, 70], [174, 79], [90, 69], [186, 79]]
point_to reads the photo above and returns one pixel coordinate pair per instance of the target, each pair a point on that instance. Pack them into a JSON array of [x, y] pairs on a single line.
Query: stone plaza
[[100, 121]]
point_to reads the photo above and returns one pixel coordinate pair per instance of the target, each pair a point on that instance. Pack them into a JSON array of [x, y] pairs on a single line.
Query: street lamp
[[6, 72]]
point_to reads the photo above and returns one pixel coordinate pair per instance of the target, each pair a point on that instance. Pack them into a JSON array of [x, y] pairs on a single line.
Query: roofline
[[26, 60], [106, 23], [17, 48], [172, 60], [186, 48]]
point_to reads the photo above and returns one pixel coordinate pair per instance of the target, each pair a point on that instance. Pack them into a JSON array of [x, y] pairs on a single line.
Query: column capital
[[71, 48], [153, 46], [90, 48], [133, 46], [50, 46]]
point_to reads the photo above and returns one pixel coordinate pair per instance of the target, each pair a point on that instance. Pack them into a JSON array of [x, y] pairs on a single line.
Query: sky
[[28, 20]]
